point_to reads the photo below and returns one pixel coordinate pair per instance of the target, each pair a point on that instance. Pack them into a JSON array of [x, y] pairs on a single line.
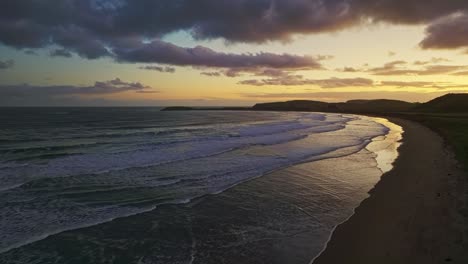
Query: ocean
[[140, 185]]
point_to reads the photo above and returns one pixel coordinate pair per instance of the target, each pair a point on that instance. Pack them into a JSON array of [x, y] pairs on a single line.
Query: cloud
[[162, 52], [421, 84], [441, 69], [115, 86], [159, 69], [408, 84], [449, 32], [121, 29], [433, 60], [407, 11], [349, 69], [461, 73], [97, 28], [30, 92], [6, 64], [93, 28], [211, 74], [253, 71], [296, 80], [398, 68], [429, 70], [30, 52], [388, 67], [60, 53]]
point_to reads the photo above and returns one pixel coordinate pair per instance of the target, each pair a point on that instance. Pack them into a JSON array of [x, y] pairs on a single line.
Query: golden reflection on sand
[[386, 147]]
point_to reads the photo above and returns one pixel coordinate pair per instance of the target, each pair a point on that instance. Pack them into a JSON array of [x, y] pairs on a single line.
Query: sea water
[[63, 169]]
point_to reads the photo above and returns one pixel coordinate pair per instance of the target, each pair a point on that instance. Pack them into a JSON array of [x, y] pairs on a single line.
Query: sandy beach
[[415, 214]]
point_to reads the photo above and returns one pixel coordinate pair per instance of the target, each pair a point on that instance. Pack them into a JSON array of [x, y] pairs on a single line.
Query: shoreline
[[408, 218], [385, 164], [282, 217], [271, 219]]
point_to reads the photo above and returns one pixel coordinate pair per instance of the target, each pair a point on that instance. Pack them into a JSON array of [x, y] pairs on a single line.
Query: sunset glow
[[373, 56]]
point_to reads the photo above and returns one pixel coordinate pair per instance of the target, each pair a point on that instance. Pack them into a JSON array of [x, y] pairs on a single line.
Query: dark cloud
[[81, 41], [30, 52], [263, 20], [254, 71], [115, 86], [349, 69], [390, 66], [159, 69], [93, 28], [6, 64], [407, 11], [166, 53], [234, 72], [211, 74], [60, 53], [99, 88], [272, 73], [296, 80], [97, 28], [448, 32]]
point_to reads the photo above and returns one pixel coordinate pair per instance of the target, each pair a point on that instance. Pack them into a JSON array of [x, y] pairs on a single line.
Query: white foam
[[79, 191]]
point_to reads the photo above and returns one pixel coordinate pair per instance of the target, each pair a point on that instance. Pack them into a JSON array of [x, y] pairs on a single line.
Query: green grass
[[453, 127]]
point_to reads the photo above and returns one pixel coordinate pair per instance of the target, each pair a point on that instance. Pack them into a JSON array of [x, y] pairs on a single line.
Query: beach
[[415, 214], [233, 132]]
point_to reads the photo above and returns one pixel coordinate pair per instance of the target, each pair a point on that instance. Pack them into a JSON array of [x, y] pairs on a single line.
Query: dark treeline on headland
[[450, 103]]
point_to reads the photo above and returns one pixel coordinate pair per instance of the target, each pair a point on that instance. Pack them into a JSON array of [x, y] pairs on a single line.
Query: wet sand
[[417, 213]]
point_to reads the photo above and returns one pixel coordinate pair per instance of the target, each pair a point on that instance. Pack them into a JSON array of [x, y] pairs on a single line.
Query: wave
[[39, 200], [159, 153]]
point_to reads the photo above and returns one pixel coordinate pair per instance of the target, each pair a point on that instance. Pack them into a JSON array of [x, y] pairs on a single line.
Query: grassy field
[[453, 127]]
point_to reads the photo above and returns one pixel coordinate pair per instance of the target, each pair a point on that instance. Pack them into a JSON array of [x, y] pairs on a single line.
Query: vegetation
[[354, 106], [452, 126], [450, 103]]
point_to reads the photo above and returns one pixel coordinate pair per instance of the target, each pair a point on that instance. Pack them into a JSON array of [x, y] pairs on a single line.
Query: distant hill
[[298, 105], [178, 108], [354, 106], [450, 103], [186, 108], [379, 106]]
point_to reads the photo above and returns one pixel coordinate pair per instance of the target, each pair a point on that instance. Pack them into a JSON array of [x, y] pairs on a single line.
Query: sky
[[229, 52]]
